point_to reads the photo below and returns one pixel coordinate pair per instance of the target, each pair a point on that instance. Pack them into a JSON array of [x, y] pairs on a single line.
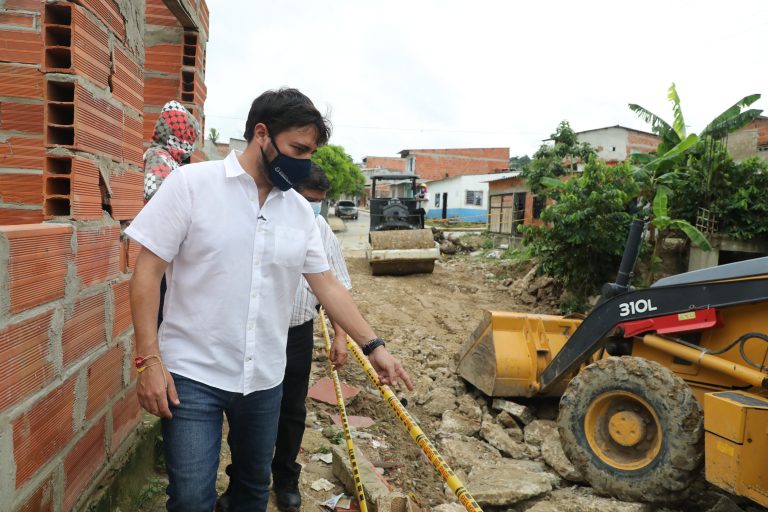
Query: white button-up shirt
[[233, 274]]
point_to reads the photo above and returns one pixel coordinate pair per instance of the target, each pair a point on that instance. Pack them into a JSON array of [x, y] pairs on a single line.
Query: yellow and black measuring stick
[[416, 433], [344, 423]]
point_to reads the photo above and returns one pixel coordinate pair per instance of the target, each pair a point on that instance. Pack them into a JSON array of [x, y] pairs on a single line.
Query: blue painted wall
[[464, 214]]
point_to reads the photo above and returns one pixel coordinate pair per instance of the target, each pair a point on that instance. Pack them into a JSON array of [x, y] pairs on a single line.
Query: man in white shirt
[[233, 240], [293, 410]]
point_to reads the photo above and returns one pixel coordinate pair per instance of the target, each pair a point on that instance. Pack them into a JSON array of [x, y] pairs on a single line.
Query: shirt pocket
[[290, 247]]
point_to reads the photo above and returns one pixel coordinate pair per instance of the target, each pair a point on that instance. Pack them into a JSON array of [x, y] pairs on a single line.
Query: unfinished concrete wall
[[72, 108]]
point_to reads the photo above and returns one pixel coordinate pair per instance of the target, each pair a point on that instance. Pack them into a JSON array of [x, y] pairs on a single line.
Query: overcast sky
[[397, 74]]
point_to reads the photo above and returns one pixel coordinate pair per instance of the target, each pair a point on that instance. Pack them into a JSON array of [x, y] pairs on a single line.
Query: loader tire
[[633, 428]]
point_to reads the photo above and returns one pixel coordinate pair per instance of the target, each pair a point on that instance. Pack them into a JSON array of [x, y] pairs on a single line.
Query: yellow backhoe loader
[[655, 382]]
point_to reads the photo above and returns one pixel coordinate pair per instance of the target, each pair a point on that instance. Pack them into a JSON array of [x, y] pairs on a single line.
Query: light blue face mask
[[316, 207]]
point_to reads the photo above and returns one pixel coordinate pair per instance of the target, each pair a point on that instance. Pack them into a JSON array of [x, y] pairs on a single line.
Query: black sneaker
[[288, 498]]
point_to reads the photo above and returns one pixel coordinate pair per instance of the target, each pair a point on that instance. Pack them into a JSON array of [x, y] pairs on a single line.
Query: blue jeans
[[192, 442]]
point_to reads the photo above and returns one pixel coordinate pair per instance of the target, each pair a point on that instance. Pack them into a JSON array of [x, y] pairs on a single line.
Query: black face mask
[[285, 171]]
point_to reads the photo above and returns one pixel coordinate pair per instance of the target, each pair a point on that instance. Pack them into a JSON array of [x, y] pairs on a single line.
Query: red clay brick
[[158, 14], [21, 188], [98, 125], [41, 432], [164, 58], [122, 317], [128, 79], [150, 119], [41, 500], [105, 380], [22, 46], [25, 20], [133, 252], [82, 462], [14, 216], [22, 152], [86, 194], [21, 81], [157, 90], [98, 254], [204, 16], [108, 13], [23, 5], [127, 195], [37, 263], [21, 117], [85, 329], [27, 365], [126, 414], [133, 152]]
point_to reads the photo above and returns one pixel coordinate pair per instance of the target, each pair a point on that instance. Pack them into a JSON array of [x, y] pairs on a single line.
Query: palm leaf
[[658, 125], [678, 124], [552, 183], [676, 151], [696, 236], [660, 202], [723, 125], [735, 108]]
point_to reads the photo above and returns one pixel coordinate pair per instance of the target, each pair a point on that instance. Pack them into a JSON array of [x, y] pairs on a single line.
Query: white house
[[462, 197]]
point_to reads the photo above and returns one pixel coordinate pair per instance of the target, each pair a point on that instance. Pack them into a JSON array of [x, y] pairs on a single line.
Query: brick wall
[[751, 140], [641, 142], [436, 164], [391, 163], [175, 65], [73, 123]]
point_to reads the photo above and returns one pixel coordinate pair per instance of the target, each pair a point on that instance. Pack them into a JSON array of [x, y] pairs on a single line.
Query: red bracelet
[[141, 361]]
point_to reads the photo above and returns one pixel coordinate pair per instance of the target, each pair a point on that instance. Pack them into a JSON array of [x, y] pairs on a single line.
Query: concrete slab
[[324, 392]]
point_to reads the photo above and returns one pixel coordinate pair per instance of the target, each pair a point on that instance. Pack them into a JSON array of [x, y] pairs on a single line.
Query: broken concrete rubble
[[539, 430], [582, 499], [456, 423], [520, 412], [464, 452], [498, 437], [553, 454], [438, 401], [506, 484]]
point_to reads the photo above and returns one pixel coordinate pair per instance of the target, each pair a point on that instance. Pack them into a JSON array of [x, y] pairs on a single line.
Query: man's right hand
[[155, 387]]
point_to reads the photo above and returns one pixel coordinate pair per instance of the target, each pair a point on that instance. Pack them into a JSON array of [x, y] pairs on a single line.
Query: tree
[[586, 228], [679, 155], [214, 135], [557, 159], [517, 163], [345, 177]]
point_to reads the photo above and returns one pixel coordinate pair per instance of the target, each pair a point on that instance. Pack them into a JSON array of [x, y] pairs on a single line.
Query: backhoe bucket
[[402, 251], [507, 352]]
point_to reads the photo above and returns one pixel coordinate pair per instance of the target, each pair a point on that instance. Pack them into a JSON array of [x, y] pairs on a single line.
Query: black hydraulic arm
[[647, 303]]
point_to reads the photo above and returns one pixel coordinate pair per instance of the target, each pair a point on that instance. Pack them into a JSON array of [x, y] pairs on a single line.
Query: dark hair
[[284, 109], [317, 180]]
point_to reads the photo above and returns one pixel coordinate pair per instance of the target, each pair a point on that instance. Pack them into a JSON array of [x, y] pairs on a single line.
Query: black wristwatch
[[373, 345]]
